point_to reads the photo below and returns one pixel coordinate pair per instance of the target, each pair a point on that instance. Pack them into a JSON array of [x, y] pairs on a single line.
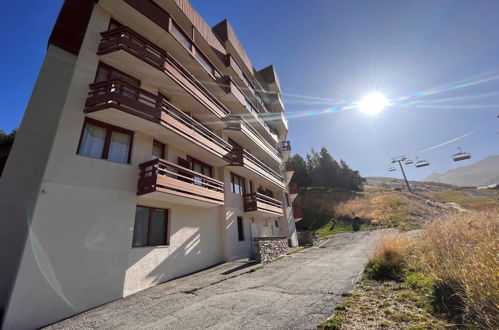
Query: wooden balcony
[[294, 189], [240, 105], [259, 204], [247, 165], [163, 181], [243, 133], [130, 52], [127, 106], [298, 213]]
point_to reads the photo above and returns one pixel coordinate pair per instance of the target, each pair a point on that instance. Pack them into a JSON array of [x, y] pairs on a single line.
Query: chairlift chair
[[391, 169], [421, 163], [461, 155], [408, 161]]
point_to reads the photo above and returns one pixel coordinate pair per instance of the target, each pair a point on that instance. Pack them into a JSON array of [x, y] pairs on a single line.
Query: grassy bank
[[448, 276], [467, 201]]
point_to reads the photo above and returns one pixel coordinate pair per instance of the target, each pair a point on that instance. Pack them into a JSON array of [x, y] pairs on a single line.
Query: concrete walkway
[[296, 292]]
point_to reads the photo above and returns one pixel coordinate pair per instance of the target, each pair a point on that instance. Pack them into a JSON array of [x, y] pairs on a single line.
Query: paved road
[[296, 292]]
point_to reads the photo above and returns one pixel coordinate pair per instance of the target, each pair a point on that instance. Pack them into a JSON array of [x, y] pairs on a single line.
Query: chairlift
[[461, 155], [391, 169], [408, 161], [421, 163]]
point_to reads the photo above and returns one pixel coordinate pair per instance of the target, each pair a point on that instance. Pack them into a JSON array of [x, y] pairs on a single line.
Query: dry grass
[[389, 258], [462, 253], [390, 209], [466, 201]]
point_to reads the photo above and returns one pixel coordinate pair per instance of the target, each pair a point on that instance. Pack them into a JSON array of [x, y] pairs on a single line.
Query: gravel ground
[[296, 292]]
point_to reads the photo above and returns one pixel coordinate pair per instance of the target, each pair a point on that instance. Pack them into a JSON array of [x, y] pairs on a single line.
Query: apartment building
[[151, 148]]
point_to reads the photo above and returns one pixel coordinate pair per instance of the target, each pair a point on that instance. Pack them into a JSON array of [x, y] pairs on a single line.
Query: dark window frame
[[193, 160], [161, 145], [111, 70], [167, 228], [107, 141], [239, 178], [193, 50], [240, 229]]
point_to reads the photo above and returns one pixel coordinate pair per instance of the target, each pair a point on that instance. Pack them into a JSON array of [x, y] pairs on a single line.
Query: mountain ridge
[[483, 172]]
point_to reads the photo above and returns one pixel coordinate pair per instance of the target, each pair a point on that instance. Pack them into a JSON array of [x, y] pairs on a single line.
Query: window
[[106, 73], [204, 62], [100, 140], [240, 229], [237, 184], [158, 150], [184, 40], [151, 227], [200, 167], [288, 203], [276, 224]]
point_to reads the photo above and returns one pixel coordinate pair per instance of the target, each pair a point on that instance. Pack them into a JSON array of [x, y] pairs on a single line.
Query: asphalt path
[[296, 292]]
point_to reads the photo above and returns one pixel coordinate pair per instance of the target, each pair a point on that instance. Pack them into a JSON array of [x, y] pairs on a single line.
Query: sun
[[373, 103]]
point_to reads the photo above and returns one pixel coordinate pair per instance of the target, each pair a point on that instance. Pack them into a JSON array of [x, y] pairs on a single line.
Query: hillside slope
[[483, 172]]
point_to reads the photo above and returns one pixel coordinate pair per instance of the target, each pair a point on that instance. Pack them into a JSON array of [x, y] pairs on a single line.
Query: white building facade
[[151, 148]]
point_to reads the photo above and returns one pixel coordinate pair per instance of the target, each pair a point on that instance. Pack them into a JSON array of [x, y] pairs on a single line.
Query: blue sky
[[436, 60]]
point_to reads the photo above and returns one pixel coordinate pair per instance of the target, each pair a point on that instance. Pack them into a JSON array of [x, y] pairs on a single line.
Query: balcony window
[[201, 168], [106, 73], [158, 150], [100, 140], [237, 184], [151, 227], [181, 37]]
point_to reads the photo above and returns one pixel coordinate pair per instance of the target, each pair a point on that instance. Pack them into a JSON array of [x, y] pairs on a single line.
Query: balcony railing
[[240, 157], [123, 96], [285, 146], [294, 189], [259, 202], [169, 178], [298, 213], [123, 38], [236, 122]]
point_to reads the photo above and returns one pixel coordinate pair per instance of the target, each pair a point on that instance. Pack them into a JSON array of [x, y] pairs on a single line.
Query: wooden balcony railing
[[241, 157], [123, 38], [164, 176], [236, 122], [123, 96], [298, 212], [294, 189], [285, 146], [259, 202]]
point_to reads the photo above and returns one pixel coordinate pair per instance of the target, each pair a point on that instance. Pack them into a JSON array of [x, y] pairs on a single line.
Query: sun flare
[[373, 103]]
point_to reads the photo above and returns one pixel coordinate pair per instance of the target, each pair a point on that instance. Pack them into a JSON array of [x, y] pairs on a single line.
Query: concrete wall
[[195, 244], [233, 208]]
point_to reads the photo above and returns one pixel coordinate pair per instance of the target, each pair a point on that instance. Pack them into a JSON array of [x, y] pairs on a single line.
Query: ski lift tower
[[399, 160]]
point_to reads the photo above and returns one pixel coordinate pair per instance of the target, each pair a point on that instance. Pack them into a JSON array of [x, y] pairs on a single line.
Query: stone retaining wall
[[269, 248], [308, 238]]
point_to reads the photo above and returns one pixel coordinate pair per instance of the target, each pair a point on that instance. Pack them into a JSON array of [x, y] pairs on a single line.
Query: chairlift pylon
[[421, 163], [461, 155]]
